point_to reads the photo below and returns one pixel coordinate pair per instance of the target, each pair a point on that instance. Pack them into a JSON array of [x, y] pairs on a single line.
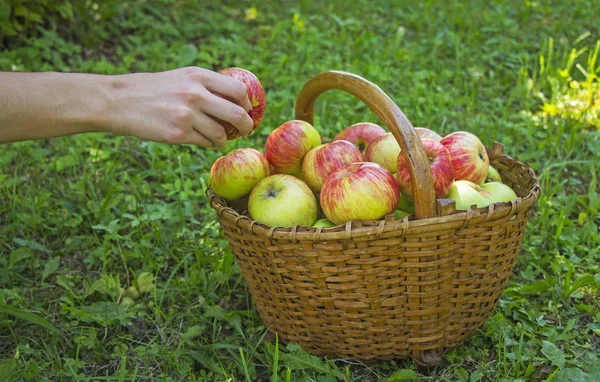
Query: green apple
[[466, 193], [400, 214], [499, 192], [405, 204], [132, 292], [323, 223], [282, 201], [493, 175], [127, 301]]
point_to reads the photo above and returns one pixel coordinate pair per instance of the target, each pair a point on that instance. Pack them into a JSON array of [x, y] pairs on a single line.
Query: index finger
[[229, 88]]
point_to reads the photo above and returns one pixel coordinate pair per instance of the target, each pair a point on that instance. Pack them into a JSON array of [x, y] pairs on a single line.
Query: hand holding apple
[[256, 95], [234, 175]]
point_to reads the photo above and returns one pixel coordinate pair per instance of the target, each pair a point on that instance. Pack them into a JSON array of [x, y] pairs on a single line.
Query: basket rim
[[375, 228]]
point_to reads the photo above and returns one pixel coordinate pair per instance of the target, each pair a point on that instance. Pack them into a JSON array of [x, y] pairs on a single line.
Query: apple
[[425, 133], [499, 192], [361, 190], [469, 157], [323, 223], [282, 201], [384, 150], [361, 134], [493, 175], [256, 95], [401, 214], [288, 144], [322, 160], [234, 175], [466, 193], [441, 169], [405, 204]]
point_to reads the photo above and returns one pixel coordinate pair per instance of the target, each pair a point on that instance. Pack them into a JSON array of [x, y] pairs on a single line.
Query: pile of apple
[[361, 174]]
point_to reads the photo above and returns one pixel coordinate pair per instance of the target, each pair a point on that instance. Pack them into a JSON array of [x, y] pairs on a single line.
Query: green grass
[[84, 217]]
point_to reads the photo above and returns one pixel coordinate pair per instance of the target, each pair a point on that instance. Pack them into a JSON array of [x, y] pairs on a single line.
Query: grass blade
[[27, 316]]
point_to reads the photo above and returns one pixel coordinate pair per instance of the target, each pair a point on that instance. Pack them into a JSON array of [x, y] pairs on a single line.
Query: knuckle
[[191, 96], [238, 115], [220, 137], [182, 116], [195, 73], [241, 90]]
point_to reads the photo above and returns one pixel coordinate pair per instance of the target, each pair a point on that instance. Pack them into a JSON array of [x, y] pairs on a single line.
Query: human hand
[[178, 106]]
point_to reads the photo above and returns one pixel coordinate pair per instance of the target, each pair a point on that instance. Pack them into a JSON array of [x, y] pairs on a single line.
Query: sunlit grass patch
[[574, 92]]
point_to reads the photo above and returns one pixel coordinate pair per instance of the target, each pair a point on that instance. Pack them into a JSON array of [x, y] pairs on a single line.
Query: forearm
[[179, 106], [49, 104]]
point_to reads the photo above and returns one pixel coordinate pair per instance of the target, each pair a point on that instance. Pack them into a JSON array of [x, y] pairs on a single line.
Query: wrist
[[102, 104]]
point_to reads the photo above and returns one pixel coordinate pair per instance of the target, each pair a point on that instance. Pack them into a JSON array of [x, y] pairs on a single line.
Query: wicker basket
[[371, 290]]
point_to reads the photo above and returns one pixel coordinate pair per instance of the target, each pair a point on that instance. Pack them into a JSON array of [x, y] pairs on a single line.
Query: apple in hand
[[288, 144], [361, 190], [323, 223], [499, 192], [234, 175], [322, 160], [361, 134], [256, 95], [466, 193], [425, 133], [493, 175], [282, 201], [440, 165], [384, 150], [469, 157]]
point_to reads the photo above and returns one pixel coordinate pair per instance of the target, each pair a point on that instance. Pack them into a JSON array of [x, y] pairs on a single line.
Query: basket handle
[[391, 115]]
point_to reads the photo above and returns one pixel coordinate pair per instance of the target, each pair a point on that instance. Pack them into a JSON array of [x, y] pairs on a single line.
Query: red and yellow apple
[[322, 160], [361, 190], [288, 144], [469, 157], [440, 164], [234, 175], [360, 134], [282, 201], [256, 95], [384, 150], [425, 133]]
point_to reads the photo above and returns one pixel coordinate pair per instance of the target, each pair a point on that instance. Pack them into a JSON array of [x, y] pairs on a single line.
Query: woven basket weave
[[372, 290]]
